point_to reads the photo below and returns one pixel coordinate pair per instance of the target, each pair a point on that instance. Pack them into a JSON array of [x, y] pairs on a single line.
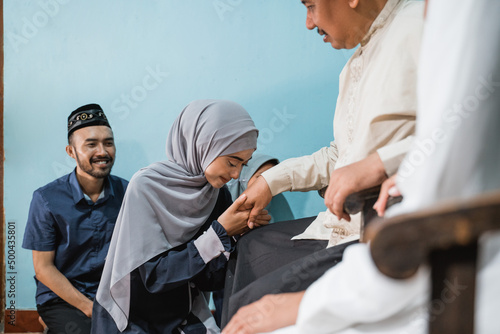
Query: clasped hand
[[235, 218]]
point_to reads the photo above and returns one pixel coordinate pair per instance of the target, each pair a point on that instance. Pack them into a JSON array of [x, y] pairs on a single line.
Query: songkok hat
[[87, 115]]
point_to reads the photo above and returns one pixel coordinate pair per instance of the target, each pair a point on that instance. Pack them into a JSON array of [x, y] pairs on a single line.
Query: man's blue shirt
[[61, 219]]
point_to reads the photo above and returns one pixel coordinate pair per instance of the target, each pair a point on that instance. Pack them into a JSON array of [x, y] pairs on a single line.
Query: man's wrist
[[378, 166], [276, 181]]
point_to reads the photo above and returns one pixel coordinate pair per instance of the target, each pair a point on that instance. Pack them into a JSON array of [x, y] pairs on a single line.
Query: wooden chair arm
[[355, 203], [400, 244]]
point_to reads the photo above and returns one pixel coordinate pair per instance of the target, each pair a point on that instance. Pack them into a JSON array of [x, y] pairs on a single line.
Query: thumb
[[240, 201]]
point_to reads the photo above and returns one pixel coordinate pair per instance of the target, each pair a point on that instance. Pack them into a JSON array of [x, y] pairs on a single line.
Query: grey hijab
[[167, 202]]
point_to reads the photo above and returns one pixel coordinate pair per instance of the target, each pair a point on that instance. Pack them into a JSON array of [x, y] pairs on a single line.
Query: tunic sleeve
[[184, 263], [310, 172], [354, 293]]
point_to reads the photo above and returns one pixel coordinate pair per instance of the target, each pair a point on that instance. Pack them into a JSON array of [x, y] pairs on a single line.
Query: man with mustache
[[458, 64], [70, 223], [373, 126]]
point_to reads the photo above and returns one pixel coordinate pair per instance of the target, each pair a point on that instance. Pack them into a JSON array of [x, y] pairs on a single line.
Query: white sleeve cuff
[[209, 245]]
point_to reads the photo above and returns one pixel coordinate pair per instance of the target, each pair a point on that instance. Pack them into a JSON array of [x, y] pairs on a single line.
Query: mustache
[[104, 157]]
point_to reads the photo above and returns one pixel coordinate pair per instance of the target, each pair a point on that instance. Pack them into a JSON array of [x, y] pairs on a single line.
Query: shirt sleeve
[[392, 155], [182, 264], [310, 172], [354, 292], [41, 231]]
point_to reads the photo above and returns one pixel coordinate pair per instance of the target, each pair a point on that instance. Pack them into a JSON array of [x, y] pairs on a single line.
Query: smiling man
[[70, 224]]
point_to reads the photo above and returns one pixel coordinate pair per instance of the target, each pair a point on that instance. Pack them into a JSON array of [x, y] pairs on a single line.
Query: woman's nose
[[309, 22]]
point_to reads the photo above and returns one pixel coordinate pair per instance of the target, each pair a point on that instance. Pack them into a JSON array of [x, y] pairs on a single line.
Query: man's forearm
[[311, 172], [61, 286]]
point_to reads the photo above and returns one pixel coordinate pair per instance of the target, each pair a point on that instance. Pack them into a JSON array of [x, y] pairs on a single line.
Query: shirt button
[[184, 322], [192, 285]]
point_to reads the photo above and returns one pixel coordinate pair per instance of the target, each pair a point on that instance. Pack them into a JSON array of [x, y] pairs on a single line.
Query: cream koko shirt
[[375, 112], [459, 64]]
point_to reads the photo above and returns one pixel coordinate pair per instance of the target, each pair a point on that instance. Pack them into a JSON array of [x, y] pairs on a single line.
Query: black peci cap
[[87, 115]]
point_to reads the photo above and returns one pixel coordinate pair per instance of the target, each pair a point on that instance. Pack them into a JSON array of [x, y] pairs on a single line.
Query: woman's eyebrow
[[235, 157], [238, 158]]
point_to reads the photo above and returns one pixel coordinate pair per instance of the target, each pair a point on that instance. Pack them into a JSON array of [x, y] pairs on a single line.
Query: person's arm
[[310, 172], [184, 263], [306, 173], [47, 273], [40, 237], [356, 292], [269, 313], [352, 178], [364, 174], [393, 154]]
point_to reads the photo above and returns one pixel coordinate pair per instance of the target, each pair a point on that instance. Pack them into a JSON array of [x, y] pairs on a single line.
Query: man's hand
[[388, 189], [269, 313], [352, 178], [258, 197], [86, 308]]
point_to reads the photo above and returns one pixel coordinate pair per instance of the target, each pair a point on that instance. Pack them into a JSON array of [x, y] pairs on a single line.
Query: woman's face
[[227, 167]]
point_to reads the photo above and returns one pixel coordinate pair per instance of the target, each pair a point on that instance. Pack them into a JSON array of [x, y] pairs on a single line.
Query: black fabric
[[63, 318], [268, 262]]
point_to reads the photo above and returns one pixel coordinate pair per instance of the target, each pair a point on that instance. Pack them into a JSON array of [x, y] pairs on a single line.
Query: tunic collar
[[380, 20]]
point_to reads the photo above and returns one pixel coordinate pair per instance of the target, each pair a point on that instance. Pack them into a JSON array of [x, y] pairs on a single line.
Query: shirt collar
[[380, 20], [78, 194]]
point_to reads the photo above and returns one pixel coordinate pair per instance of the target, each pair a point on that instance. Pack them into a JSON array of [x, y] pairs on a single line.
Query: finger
[[233, 326], [263, 218], [383, 196], [259, 223], [239, 201], [329, 198], [381, 203], [338, 206], [247, 205], [394, 191], [253, 216]]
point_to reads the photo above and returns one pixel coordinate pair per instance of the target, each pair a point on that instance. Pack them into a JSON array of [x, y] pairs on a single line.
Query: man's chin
[[100, 174]]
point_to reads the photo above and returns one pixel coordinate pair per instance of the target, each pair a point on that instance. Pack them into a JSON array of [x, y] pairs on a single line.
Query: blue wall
[[143, 61]]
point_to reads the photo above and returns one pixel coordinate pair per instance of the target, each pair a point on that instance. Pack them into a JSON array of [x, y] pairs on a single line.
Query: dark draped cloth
[[268, 262]]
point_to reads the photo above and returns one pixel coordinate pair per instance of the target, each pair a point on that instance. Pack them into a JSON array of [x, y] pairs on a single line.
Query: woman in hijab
[[173, 235]]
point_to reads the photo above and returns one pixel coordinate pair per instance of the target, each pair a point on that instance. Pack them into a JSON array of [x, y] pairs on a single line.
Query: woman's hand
[[234, 221]]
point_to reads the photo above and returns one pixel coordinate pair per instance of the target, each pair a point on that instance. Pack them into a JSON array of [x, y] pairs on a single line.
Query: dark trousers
[[63, 318], [268, 262]]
